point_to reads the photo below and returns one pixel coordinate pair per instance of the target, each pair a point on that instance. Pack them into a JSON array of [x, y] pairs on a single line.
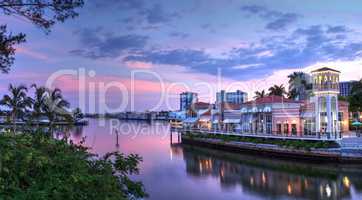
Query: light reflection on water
[[178, 172]]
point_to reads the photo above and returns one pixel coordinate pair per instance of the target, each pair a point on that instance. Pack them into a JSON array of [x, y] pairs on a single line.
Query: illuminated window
[[286, 128]]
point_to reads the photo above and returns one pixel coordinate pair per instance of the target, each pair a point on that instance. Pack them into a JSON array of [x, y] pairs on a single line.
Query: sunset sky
[[229, 44]]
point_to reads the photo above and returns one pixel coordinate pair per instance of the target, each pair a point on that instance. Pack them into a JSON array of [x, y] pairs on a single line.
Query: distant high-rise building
[[187, 99], [345, 88], [237, 97]]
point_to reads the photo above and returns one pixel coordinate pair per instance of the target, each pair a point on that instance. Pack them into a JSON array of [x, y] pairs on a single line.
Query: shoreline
[[79, 123], [320, 156]]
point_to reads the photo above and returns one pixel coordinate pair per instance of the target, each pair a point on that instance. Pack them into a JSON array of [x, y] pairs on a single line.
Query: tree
[[277, 90], [18, 102], [260, 94], [7, 50], [34, 166], [42, 13], [55, 107], [355, 100], [39, 102], [293, 94], [77, 114], [299, 86]]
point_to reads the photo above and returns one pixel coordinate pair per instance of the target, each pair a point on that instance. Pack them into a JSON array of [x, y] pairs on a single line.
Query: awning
[[201, 112], [307, 115], [356, 123], [205, 118], [190, 120], [216, 121], [231, 121]]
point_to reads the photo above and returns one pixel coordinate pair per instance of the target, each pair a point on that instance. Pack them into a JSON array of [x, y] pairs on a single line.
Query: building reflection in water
[[271, 178]]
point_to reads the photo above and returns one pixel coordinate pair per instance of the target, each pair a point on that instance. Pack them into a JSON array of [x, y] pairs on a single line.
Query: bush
[[292, 144], [39, 167]]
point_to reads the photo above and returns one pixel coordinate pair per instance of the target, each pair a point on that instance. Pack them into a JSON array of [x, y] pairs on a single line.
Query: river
[[174, 171]]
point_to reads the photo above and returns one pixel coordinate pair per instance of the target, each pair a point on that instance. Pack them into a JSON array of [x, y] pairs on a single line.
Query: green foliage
[[299, 86], [7, 48], [277, 90], [260, 94], [46, 103], [355, 100], [43, 13], [33, 166], [292, 144]]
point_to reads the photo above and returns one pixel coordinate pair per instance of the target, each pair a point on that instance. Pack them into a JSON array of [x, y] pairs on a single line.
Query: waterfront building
[[227, 107], [231, 117], [321, 116], [326, 90], [187, 99], [273, 115], [237, 97], [199, 116], [345, 88]]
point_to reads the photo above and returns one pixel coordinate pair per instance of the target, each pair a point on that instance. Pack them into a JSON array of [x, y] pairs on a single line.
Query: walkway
[[351, 145], [311, 138]]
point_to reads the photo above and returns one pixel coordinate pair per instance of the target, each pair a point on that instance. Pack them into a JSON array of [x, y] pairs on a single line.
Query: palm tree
[[18, 102], [77, 114], [277, 90], [39, 102], [55, 107], [260, 94], [299, 86], [293, 94]]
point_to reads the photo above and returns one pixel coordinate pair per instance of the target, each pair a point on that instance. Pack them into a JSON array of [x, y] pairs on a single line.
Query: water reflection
[[266, 178], [171, 170]]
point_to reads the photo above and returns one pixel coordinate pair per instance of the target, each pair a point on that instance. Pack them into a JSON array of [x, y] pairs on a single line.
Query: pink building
[[275, 115], [322, 116]]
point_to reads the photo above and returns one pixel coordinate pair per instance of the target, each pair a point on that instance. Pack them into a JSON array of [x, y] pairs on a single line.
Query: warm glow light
[[222, 173], [328, 190], [263, 178], [326, 92], [251, 181], [306, 183], [289, 189], [346, 182]]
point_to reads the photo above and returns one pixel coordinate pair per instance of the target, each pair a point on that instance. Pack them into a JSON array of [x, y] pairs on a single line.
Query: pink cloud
[[70, 83], [138, 65], [31, 53]]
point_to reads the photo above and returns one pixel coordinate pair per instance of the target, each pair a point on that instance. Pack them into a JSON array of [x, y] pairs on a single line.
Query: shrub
[[39, 167]]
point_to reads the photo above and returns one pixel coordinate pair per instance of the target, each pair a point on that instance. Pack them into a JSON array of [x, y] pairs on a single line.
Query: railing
[[326, 86], [255, 135]]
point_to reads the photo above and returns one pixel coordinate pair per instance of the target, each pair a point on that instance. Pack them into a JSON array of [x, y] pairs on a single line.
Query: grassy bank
[[33, 166], [285, 143]]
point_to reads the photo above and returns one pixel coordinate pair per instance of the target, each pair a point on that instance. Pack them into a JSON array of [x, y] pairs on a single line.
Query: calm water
[[173, 171]]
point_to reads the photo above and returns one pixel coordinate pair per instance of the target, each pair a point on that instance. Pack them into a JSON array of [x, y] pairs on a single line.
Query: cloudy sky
[[156, 49]]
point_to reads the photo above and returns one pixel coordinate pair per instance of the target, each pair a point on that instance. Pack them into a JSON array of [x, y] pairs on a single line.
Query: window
[[294, 129], [286, 129], [340, 116], [334, 104], [323, 104], [309, 127], [269, 124], [279, 128]]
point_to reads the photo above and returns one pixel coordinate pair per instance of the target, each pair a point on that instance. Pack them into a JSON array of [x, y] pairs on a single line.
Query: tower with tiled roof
[[326, 90]]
